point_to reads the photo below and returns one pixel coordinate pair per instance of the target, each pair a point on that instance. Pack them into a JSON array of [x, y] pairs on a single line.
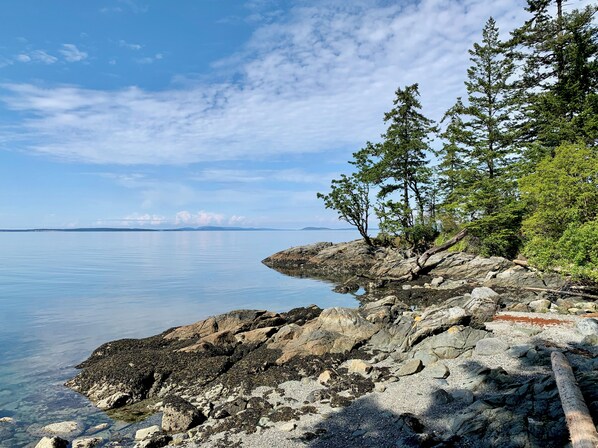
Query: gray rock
[[483, 293], [146, 433], [490, 346], [180, 415], [452, 343], [441, 396], [587, 326], [69, 428], [464, 395], [87, 442], [52, 442], [410, 367], [540, 305], [436, 281], [518, 351], [437, 370]]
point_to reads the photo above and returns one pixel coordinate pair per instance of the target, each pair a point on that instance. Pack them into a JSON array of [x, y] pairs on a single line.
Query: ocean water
[[64, 294]]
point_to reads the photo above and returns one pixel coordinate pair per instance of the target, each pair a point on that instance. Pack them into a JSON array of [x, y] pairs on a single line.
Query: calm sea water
[[64, 294]]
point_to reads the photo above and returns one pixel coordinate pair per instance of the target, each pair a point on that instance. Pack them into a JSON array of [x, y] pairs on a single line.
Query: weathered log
[[420, 262], [557, 291], [581, 427]]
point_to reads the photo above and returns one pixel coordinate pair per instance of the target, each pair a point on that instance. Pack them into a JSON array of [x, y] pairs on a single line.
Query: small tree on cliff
[[350, 197]]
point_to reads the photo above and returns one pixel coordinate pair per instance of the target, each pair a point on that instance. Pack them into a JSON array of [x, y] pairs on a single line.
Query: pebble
[[146, 433], [438, 370], [379, 387], [358, 366], [358, 433], [288, 427], [410, 367]]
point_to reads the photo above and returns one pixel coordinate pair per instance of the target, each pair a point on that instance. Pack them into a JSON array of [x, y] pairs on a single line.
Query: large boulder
[[179, 415], [336, 330], [449, 344]]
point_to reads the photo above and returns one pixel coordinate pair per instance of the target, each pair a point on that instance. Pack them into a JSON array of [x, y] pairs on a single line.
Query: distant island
[[180, 229]]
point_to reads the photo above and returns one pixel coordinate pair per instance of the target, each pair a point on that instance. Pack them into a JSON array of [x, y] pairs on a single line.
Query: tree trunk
[[581, 427], [420, 262]]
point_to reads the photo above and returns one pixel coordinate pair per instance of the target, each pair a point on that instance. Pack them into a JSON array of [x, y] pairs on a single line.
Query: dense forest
[[516, 169]]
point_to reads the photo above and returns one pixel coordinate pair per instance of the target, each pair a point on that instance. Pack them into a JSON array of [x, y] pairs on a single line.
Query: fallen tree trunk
[[557, 291], [420, 262], [581, 427]]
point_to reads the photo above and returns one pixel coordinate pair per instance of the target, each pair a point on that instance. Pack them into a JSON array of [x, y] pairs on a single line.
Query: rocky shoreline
[[452, 358]]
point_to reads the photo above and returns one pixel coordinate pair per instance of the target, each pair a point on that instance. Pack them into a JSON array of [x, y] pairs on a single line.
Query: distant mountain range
[[180, 229]]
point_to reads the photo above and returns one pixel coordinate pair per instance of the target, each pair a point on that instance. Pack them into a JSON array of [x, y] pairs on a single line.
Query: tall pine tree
[[400, 167], [484, 186], [558, 59]]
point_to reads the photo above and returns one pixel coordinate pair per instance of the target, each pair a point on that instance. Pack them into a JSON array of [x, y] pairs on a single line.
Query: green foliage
[[399, 164], [562, 190], [518, 163], [349, 196], [563, 226], [559, 79], [477, 169]]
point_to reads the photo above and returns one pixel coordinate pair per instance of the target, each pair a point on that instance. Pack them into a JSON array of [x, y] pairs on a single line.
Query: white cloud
[[201, 218], [150, 59], [137, 219], [318, 79], [218, 175], [72, 54], [36, 56], [130, 46]]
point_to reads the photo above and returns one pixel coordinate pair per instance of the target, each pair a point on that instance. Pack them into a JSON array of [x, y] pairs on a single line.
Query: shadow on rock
[[522, 410], [365, 424]]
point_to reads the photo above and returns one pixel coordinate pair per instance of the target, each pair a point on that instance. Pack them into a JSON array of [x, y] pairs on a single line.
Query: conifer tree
[[484, 186], [558, 80], [400, 166]]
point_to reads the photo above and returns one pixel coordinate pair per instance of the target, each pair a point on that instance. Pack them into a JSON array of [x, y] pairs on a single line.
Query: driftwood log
[[568, 293], [581, 427], [420, 262]]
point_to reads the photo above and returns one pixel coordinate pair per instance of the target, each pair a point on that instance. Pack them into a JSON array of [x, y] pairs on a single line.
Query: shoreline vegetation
[[513, 162], [457, 356]]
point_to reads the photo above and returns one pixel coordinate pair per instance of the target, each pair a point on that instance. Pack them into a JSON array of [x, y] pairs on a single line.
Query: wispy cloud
[[130, 46], [317, 79], [217, 175], [37, 56], [150, 59], [72, 54]]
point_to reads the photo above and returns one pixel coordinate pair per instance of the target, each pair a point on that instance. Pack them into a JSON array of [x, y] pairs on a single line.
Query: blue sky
[[210, 112]]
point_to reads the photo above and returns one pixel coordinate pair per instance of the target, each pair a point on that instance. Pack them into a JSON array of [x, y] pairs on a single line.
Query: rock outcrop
[[204, 376]]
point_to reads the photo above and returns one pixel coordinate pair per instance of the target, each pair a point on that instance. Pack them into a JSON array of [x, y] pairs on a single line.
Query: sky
[[146, 113]]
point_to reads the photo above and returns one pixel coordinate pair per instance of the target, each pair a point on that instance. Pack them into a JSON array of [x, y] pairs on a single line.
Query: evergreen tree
[[479, 135], [400, 166], [451, 170], [558, 78]]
